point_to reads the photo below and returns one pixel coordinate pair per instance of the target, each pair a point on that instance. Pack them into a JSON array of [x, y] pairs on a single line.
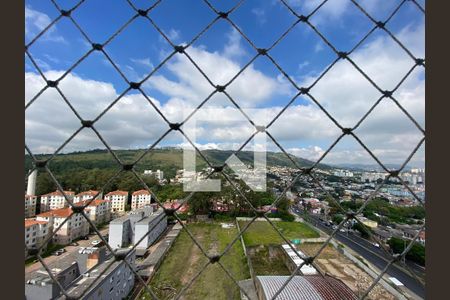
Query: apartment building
[[87, 195], [98, 210], [142, 226], [36, 233], [30, 206], [118, 200], [55, 200], [94, 275], [140, 199], [75, 227]]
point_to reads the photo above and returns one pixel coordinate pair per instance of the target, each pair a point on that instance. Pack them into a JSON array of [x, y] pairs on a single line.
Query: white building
[[143, 223], [98, 210], [30, 206], [75, 227], [55, 200], [158, 174], [373, 176], [343, 173], [140, 199], [36, 232], [118, 200], [87, 195]]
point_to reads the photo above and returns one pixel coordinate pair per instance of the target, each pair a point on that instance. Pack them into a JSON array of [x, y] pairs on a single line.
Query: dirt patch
[[337, 265], [195, 255]]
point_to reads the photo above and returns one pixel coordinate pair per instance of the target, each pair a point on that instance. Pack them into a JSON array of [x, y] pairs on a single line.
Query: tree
[[338, 218], [416, 253], [362, 229]]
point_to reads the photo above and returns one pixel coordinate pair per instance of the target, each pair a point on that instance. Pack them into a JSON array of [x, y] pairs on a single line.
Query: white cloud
[[36, 21], [233, 47], [303, 129], [260, 14], [143, 62], [331, 10]]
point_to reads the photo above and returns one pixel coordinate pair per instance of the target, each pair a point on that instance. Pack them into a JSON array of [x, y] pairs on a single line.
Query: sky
[[261, 90]]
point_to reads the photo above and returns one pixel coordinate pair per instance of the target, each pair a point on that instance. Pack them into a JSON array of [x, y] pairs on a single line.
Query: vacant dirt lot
[[337, 265]]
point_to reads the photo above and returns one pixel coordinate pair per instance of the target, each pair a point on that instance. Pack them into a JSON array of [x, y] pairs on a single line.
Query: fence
[[224, 16]]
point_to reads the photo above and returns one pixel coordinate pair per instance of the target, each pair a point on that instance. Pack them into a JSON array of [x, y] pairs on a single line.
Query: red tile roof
[[90, 193], [121, 193], [31, 222], [141, 192], [95, 202], [58, 193], [59, 213]]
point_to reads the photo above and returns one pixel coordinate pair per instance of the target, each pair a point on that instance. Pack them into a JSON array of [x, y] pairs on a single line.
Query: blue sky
[[304, 130]]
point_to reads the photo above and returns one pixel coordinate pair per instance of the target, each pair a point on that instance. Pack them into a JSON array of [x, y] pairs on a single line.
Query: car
[[74, 244], [95, 242], [59, 252], [376, 245], [342, 230]]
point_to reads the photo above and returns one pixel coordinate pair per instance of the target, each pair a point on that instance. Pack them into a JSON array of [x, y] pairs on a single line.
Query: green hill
[[80, 171], [165, 159]]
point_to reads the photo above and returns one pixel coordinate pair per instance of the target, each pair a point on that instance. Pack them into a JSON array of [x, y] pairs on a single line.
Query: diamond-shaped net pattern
[[225, 16]]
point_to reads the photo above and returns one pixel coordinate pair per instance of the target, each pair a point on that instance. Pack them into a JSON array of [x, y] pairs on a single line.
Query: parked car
[[95, 242], [376, 245], [74, 244], [59, 252]]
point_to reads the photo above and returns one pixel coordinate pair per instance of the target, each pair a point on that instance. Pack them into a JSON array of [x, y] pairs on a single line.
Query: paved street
[[67, 257], [377, 257]]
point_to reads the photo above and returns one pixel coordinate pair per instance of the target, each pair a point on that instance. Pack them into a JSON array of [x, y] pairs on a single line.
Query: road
[[375, 256], [69, 256]]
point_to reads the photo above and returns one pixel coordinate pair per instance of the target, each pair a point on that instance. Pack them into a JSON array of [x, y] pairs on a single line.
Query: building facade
[[140, 199], [143, 223], [55, 200], [30, 206], [36, 232], [118, 200], [98, 210], [87, 195], [75, 227]]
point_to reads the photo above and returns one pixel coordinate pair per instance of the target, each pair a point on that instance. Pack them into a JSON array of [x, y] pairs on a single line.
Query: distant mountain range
[[370, 167]]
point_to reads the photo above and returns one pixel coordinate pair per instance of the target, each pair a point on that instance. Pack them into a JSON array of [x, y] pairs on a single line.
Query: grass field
[[265, 264], [262, 233], [185, 260]]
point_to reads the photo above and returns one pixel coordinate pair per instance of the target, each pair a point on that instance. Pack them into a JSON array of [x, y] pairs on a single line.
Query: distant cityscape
[[132, 218]]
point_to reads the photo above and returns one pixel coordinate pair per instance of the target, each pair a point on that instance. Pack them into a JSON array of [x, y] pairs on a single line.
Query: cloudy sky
[[261, 90]]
